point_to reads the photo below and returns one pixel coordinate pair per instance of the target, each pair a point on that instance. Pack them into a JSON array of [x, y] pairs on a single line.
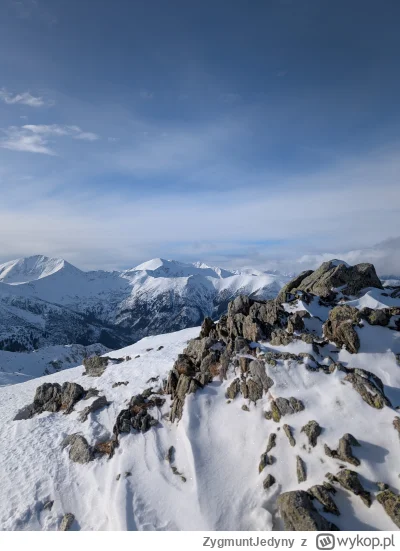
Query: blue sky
[[238, 133]]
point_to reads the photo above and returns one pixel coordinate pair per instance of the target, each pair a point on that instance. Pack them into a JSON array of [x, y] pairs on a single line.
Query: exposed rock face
[[344, 451], [376, 317], [299, 514], [288, 432], [391, 503], [295, 322], [369, 386], [52, 397], [79, 451], [322, 494], [271, 442], [283, 406], [350, 481], [312, 430], [268, 482], [339, 328], [95, 366], [333, 275], [265, 460], [300, 469], [66, 523]]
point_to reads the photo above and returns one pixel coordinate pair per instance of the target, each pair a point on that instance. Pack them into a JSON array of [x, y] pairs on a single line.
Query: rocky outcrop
[[312, 430], [333, 275], [271, 442], [66, 522], [300, 470], [284, 406], [350, 481], [323, 495], [268, 482], [299, 514], [344, 451], [368, 386], [376, 317], [391, 503], [52, 397], [288, 431], [340, 328]]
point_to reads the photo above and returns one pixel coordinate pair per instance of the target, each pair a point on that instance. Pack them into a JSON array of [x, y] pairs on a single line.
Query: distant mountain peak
[[32, 268]]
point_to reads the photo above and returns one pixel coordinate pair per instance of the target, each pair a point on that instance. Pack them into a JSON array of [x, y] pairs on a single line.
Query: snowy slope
[[155, 297], [218, 444], [23, 366]]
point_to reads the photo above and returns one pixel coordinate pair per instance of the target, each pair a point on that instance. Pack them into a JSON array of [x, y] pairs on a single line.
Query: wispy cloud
[[146, 94], [24, 98], [34, 138]]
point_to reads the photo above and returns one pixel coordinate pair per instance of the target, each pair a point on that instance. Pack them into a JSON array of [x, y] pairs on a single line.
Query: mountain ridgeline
[[47, 301]]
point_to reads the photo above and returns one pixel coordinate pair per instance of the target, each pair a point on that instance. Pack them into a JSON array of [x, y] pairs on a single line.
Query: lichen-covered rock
[[259, 375], [254, 390], [280, 337], [283, 406], [240, 305], [339, 328], [334, 274], [299, 514], [79, 451], [344, 451], [252, 330], [369, 386], [271, 442], [184, 365], [312, 430], [287, 290], [233, 389], [206, 327], [95, 366], [391, 503], [268, 482], [288, 431], [300, 469], [350, 481], [265, 460], [322, 494], [52, 397], [66, 522], [296, 323]]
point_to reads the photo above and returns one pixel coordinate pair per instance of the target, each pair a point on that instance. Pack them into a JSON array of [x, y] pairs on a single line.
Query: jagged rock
[[172, 383], [48, 505], [307, 338], [107, 447], [233, 390], [265, 460], [271, 442], [79, 451], [211, 363], [254, 391], [120, 383], [240, 305], [52, 397], [99, 403], [299, 514], [369, 386], [283, 406], [245, 408], [95, 366], [258, 373], [344, 451], [268, 482], [322, 494], [252, 330], [184, 365], [295, 322], [287, 290], [70, 394], [376, 317], [241, 346], [391, 503], [244, 364], [312, 430], [206, 327], [280, 337], [123, 422], [288, 432], [329, 487], [339, 328], [91, 393], [66, 522], [350, 481], [332, 274], [198, 349], [300, 469]]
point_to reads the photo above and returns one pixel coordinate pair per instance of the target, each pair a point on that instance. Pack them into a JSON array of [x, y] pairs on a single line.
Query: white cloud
[[146, 94], [24, 98], [34, 138]]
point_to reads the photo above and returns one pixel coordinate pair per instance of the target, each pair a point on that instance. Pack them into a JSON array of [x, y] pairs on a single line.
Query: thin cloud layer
[[24, 98]]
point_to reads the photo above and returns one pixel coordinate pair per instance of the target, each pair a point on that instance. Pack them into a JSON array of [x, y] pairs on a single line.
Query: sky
[[262, 133]]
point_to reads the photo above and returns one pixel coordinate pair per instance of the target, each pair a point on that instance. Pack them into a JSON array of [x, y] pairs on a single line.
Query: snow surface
[[218, 445]]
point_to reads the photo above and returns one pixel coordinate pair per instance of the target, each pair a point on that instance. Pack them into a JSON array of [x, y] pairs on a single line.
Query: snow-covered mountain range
[[47, 301], [283, 415]]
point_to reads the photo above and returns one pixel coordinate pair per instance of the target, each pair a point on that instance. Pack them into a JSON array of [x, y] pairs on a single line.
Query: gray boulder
[[300, 469], [79, 451], [339, 328], [95, 366], [323, 495], [350, 481], [299, 514], [312, 430], [66, 522], [97, 404], [391, 503], [344, 451]]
